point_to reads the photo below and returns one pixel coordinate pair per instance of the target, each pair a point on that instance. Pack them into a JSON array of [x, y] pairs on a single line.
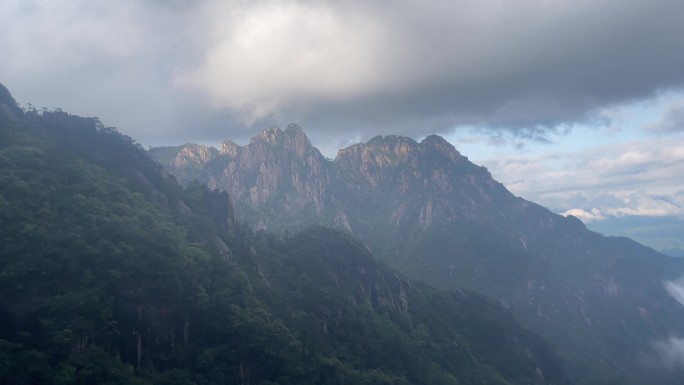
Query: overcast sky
[[577, 105]]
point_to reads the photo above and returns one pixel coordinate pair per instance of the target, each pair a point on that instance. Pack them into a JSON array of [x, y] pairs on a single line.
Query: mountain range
[[113, 273], [435, 216]]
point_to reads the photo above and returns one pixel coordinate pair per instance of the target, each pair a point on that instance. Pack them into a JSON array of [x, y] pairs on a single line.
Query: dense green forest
[[111, 273]]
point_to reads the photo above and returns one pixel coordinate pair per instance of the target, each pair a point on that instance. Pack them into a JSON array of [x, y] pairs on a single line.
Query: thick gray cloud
[[175, 71]]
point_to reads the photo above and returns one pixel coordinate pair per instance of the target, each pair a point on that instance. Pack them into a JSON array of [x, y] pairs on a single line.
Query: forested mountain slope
[[110, 272]]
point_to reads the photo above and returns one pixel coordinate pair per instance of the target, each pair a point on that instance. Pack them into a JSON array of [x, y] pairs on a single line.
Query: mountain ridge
[[430, 212], [255, 161]]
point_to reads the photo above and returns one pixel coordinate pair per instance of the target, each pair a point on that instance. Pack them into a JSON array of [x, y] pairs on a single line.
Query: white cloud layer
[[586, 216], [676, 289], [641, 178]]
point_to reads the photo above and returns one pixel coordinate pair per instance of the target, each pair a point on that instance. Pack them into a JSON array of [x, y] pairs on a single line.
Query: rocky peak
[[390, 140], [294, 130], [377, 152], [437, 141], [293, 142], [277, 168], [228, 147], [194, 155], [393, 149], [297, 143], [268, 136], [443, 147], [428, 182], [392, 146]]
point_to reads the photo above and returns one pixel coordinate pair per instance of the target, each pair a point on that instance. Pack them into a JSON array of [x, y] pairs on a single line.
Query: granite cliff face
[[277, 176], [279, 179], [431, 213], [390, 184], [419, 184]]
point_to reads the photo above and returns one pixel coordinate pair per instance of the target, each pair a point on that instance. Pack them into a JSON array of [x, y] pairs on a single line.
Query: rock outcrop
[[279, 180]]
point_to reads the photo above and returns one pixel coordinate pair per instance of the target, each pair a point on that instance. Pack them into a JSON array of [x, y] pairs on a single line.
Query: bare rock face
[[424, 183], [278, 169], [194, 155], [278, 175], [229, 148], [280, 180]]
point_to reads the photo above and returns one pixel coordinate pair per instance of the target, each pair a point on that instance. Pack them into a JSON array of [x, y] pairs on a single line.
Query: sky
[[576, 105]]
